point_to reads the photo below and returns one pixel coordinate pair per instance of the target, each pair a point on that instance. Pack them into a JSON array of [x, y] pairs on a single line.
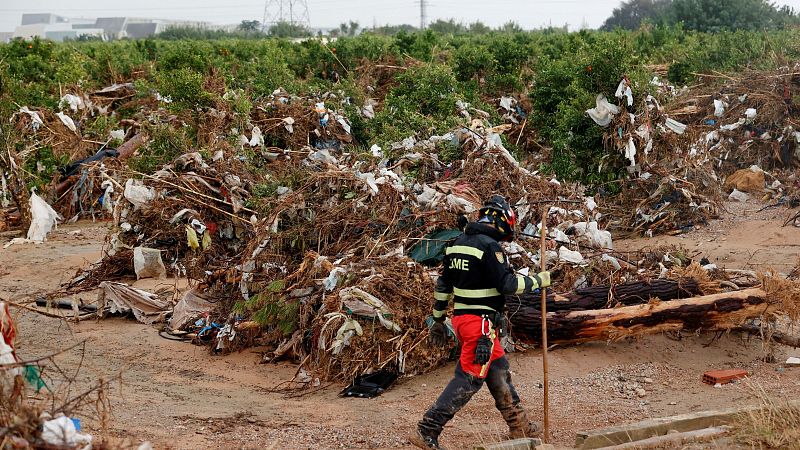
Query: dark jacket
[[477, 275]]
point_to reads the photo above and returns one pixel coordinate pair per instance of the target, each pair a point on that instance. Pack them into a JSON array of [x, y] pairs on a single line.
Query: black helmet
[[497, 211]]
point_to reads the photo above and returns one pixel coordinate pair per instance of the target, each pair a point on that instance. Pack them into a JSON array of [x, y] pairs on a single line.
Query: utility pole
[[422, 17]]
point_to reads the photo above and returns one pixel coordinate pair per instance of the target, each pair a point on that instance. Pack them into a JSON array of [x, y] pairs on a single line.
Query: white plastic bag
[[138, 194], [719, 108], [67, 121], [43, 219], [603, 112], [567, 255], [630, 152], [75, 103], [257, 138], [624, 90], [147, 263], [61, 432]]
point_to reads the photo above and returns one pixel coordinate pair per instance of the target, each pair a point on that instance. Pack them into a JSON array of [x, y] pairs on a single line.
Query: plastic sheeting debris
[[630, 152], [590, 203], [719, 108], [138, 194], [36, 121], [323, 156], [596, 237], [675, 126], [364, 304], [43, 219], [121, 299], [570, 256], [147, 263], [67, 121], [739, 196], [75, 103], [257, 138], [61, 432], [368, 110], [624, 90], [603, 112], [117, 134], [733, 126], [344, 334], [190, 306], [288, 123], [430, 249], [613, 261]]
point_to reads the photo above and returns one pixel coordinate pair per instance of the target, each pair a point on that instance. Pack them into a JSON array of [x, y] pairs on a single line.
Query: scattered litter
[[792, 362], [719, 108], [738, 196], [370, 386], [570, 256], [62, 432], [67, 121], [675, 126]]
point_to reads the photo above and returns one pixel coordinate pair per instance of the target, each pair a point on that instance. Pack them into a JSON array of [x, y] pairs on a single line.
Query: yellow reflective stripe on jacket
[[443, 296], [466, 306], [476, 293], [520, 284], [437, 314], [465, 250]]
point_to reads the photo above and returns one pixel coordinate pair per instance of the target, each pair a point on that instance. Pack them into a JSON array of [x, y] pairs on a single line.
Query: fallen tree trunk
[[777, 336], [721, 311], [598, 297]]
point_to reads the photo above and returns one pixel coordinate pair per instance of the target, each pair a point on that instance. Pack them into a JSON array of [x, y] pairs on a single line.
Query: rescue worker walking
[[477, 277]]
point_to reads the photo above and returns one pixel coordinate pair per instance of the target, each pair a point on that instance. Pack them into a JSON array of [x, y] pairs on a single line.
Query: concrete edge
[[660, 426]]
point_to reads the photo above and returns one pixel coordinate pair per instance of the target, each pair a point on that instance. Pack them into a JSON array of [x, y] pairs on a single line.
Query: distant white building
[[59, 28]]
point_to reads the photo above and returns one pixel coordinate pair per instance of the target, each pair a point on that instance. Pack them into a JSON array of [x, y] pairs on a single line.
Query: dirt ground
[[178, 396]]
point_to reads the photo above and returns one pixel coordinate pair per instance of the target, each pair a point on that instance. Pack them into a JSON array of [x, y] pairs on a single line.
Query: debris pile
[[300, 239]]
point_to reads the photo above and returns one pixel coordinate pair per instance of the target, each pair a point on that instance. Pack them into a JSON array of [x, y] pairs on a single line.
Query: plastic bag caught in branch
[[138, 194], [603, 112], [365, 304], [624, 90], [147, 263]]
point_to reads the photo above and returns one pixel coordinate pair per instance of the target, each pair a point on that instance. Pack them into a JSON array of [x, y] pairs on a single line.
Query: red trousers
[[468, 330]]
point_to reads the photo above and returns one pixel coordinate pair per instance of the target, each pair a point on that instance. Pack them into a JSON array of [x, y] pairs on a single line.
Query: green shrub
[[164, 146], [184, 87]]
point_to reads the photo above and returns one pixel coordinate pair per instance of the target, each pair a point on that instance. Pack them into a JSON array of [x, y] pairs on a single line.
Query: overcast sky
[[330, 13]]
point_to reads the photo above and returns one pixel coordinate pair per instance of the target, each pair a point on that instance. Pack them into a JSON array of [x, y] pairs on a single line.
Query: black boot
[[423, 439]]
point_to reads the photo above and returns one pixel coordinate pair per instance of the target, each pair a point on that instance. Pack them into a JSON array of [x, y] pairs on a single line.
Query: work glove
[[483, 351], [543, 278], [438, 334]]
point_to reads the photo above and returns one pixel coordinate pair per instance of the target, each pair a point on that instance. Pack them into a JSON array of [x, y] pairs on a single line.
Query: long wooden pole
[[543, 264]]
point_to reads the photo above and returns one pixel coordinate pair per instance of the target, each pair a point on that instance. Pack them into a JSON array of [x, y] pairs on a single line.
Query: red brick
[[723, 376]]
